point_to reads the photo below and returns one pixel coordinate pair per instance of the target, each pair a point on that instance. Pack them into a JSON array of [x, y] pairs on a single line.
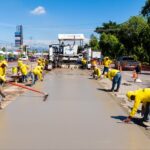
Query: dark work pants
[[106, 69], [147, 112], [116, 80]]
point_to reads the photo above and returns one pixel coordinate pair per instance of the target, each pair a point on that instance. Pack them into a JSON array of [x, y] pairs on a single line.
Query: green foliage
[[4, 49], [129, 38], [109, 28], [110, 45], [2, 57], [146, 10], [94, 43]]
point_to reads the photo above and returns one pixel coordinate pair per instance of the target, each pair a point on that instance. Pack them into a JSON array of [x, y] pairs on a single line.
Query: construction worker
[[3, 66], [84, 62], [23, 68], [115, 76], [14, 70], [97, 73], [37, 74], [140, 96], [106, 63]]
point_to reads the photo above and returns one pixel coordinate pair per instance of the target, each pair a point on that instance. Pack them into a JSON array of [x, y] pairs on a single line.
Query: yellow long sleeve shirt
[[107, 63], [112, 73], [38, 71], [97, 72], [3, 74], [141, 96]]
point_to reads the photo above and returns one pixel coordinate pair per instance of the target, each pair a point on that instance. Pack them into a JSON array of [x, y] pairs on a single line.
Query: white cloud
[[40, 10]]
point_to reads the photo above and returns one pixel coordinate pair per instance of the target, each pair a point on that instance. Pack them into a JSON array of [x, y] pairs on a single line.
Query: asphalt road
[[76, 116]]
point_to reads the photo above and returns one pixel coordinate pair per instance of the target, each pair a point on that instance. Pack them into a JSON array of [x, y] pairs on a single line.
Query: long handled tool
[[30, 89]]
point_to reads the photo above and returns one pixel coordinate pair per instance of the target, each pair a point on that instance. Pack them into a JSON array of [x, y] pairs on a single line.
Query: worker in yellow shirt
[[84, 63], [3, 66], [106, 63], [115, 76], [140, 96], [37, 74], [96, 73], [23, 68]]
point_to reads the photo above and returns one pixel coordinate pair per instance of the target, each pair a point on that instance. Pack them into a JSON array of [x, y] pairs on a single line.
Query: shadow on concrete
[[91, 78], [145, 73], [136, 121], [105, 90]]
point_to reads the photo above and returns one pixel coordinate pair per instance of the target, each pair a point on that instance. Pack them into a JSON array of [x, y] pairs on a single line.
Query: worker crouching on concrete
[[115, 76], [140, 96], [3, 66], [106, 63], [97, 73]]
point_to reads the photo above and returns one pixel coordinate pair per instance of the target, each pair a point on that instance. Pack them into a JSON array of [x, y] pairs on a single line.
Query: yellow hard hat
[[130, 93]]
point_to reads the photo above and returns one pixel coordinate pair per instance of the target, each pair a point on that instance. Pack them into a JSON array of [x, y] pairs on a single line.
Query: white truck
[[69, 44]]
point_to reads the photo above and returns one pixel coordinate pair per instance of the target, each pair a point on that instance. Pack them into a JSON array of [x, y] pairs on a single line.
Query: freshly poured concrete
[[76, 116]]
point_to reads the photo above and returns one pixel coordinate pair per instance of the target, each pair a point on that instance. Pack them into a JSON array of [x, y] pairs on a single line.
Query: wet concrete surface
[[76, 116]]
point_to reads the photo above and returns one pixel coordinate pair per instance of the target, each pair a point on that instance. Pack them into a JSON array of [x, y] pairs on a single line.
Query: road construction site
[[78, 114]]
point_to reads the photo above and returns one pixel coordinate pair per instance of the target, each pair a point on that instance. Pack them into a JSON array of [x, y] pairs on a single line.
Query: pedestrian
[[106, 63], [140, 96], [115, 76], [3, 66]]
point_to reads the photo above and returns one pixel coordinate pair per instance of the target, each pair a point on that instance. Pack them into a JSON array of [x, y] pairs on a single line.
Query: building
[[19, 36]]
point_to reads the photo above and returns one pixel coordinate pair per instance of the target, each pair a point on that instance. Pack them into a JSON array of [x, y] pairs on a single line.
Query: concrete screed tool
[[30, 89]]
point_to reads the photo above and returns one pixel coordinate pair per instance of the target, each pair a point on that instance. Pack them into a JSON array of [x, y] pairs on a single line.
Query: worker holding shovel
[[140, 96], [3, 66]]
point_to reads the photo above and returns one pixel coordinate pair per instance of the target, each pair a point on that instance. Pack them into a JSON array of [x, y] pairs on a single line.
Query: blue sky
[[61, 16]]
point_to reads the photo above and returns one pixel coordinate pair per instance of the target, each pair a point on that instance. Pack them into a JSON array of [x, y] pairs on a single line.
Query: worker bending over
[[106, 63], [97, 73], [3, 66], [115, 76], [37, 74], [140, 96], [24, 69]]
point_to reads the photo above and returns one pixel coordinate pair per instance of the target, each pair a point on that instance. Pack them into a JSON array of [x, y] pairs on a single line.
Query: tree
[[109, 28], [4, 49], [110, 45], [145, 34], [146, 10], [129, 34], [94, 43]]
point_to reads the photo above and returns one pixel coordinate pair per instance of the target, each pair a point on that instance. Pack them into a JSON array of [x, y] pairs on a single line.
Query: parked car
[[24, 58], [126, 63], [33, 59], [11, 58]]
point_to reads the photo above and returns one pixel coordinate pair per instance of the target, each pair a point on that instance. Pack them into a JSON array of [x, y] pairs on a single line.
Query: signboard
[[71, 37]]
